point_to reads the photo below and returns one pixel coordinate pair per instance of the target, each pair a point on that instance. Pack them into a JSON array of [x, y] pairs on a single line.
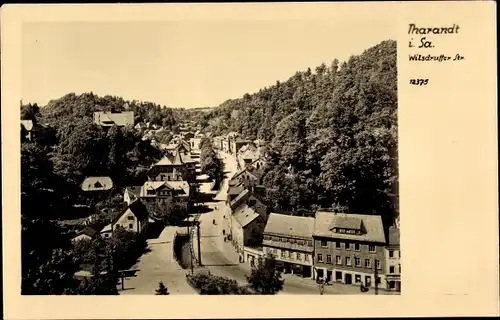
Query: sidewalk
[[159, 265]]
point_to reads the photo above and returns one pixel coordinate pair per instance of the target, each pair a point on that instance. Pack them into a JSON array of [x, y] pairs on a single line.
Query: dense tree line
[[331, 133], [210, 162]]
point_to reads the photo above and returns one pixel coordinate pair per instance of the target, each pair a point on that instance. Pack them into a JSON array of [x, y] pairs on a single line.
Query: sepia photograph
[[165, 158]]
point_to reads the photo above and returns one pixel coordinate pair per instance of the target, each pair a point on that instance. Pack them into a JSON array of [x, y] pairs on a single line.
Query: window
[[130, 217], [338, 260], [283, 239], [392, 285], [391, 269], [150, 192], [371, 248], [357, 278], [309, 243], [306, 257], [299, 256], [282, 253], [130, 226], [328, 258], [324, 244], [348, 246], [368, 263], [291, 255], [356, 247], [399, 266], [391, 254], [106, 235], [117, 226], [357, 262], [267, 238], [338, 245], [320, 257], [377, 264], [251, 203], [348, 261]]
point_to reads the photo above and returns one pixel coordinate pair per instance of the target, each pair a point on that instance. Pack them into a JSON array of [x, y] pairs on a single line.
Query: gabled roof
[[28, 124], [242, 197], [235, 190], [346, 222], [112, 118], [88, 231], [97, 183], [134, 190], [249, 154], [179, 185], [293, 226], [244, 215], [152, 185], [371, 225], [139, 210], [237, 174]]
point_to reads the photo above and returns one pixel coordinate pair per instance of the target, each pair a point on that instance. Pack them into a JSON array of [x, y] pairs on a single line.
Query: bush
[[208, 284]]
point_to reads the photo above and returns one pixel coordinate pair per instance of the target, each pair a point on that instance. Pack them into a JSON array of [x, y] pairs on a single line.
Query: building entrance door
[[348, 278], [328, 275]]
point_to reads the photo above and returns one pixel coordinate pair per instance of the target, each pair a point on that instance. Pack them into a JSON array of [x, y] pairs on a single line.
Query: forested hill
[[332, 134], [73, 106]]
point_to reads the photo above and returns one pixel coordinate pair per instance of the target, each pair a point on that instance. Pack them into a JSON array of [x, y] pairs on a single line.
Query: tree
[[30, 112], [266, 277], [162, 290]]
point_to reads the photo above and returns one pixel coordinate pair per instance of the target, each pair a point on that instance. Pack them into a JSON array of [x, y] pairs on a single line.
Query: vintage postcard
[[339, 157]]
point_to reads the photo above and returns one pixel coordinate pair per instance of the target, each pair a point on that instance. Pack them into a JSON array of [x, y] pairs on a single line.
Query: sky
[[187, 64]]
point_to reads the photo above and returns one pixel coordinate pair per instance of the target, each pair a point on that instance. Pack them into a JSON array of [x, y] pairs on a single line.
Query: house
[[247, 226], [217, 142], [289, 239], [135, 218], [171, 167], [87, 233], [236, 143], [247, 155], [258, 163], [97, 184], [248, 218], [349, 248], [393, 264], [249, 177], [195, 143], [187, 136], [109, 119], [234, 191], [156, 190], [28, 126], [131, 194]]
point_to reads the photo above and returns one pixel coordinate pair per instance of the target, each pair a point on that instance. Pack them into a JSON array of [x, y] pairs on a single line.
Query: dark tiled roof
[[346, 222], [139, 210], [90, 231]]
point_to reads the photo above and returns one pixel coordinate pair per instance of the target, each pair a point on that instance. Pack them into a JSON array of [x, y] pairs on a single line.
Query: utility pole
[[199, 243]]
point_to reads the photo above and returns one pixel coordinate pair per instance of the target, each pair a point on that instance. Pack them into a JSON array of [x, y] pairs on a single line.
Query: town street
[[221, 258], [158, 265]]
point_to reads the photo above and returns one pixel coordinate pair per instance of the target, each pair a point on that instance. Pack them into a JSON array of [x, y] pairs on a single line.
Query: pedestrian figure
[[223, 231]]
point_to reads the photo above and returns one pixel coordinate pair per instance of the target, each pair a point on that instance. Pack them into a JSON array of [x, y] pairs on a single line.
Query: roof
[[393, 236], [111, 118], [139, 210], [97, 183], [249, 154], [242, 197], [28, 124], [88, 231], [294, 226], [244, 215], [371, 224], [179, 185], [151, 185], [346, 222], [135, 190], [235, 190]]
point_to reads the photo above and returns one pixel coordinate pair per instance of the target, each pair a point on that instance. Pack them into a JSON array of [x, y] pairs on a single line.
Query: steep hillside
[[332, 134]]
